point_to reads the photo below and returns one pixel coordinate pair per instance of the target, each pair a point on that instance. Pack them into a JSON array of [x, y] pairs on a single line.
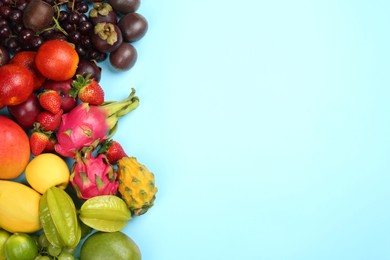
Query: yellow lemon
[[47, 170]]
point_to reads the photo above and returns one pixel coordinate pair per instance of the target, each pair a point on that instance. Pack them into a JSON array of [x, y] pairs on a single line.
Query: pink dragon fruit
[[88, 125], [93, 176]]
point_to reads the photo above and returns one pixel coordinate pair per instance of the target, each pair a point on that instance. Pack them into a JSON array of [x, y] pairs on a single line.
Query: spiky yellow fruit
[[136, 185]]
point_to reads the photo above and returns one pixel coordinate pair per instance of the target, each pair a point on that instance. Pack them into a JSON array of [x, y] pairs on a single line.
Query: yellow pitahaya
[[136, 185]]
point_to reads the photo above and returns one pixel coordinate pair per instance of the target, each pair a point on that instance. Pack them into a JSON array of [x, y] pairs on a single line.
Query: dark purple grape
[[15, 16], [47, 34], [124, 57], [82, 52], [125, 6], [93, 54], [73, 17], [3, 22], [68, 27], [102, 57], [8, 2], [5, 11], [5, 32], [36, 42], [63, 16], [89, 67], [12, 43], [82, 7], [85, 27], [58, 36], [74, 37], [17, 28], [85, 41], [26, 35], [83, 18], [133, 27], [22, 4]]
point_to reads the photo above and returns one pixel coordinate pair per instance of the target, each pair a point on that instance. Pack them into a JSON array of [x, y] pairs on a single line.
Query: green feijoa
[[107, 213]]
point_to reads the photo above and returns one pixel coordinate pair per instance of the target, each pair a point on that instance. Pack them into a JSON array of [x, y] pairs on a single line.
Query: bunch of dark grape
[[27, 24], [75, 27]]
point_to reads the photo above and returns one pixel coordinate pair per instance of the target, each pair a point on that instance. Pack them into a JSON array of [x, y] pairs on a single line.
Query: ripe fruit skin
[[47, 170], [113, 150], [109, 245], [14, 149], [38, 142], [51, 101], [16, 84], [133, 26], [27, 60], [87, 90], [21, 246], [19, 207], [49, 121], [26, 113], [124, 57], [136, 185], [63, 88], [57, 60], [4, 235]]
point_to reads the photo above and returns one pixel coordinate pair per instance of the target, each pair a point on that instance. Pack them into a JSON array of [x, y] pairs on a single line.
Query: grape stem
[[57, 24]]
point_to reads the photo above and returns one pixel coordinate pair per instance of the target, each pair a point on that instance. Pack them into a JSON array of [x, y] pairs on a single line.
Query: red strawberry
[[39, 139], [49, 121], [51, 101], [113, 150], [51, 144], [87, 90]]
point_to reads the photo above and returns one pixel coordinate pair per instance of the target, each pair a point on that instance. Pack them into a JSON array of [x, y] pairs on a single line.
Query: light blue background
[[266, 124]]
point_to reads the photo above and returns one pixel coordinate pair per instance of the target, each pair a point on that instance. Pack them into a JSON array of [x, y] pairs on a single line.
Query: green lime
[[20, 246], [110, 245], [3, 238]]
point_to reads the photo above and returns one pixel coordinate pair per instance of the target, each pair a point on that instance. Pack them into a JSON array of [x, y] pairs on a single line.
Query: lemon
[[109, 245], [47, 170]]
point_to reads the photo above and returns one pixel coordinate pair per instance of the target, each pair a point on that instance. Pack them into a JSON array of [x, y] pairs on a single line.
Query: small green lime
[[4, 235], [109, 245], [21, 246]]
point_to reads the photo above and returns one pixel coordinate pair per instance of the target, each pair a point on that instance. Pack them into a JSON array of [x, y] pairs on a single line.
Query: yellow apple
[[47, 170]]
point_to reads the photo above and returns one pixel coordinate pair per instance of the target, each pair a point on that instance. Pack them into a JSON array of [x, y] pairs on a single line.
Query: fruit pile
[[97, 29], [65, 183]]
